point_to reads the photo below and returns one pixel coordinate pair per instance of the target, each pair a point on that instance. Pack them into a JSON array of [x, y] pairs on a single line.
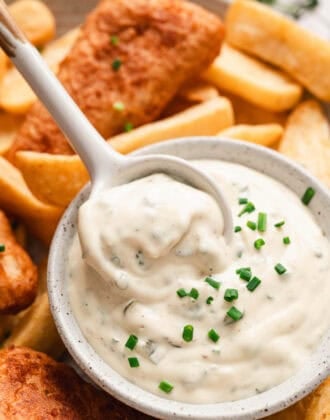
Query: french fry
[[208, 118], [306, 139], [9, 125], [16, 198], [198, 91], [35, 19], [35, 327], [247, 113], [255, 81], [265, 33], [263, 134], [57, 179], [16, 96]]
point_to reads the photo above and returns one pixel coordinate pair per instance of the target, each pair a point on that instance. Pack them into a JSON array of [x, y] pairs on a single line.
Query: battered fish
[[131, 58], [18, 274], [33, 386]]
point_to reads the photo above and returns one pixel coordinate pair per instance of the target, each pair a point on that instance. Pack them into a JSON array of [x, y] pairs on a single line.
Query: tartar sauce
[[168, 304]]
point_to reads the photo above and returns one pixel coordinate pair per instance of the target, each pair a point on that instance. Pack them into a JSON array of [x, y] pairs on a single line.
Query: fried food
[[9, 125], [34, 327], [16, 96], [255, 81], [33, 386], [40, 219], [198, 91], [267, 34], [306, 139], [57, 179], [35, 19], [18, 274], [319, 406], [264, 134], [159, 45]]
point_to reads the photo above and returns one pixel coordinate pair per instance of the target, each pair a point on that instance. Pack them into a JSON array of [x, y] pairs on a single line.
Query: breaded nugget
[[18, 274], [133, 53], [34, 386]]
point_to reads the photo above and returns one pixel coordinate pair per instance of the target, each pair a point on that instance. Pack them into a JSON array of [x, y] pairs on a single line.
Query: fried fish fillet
[[18, 274], [126, 66], [33, 386]]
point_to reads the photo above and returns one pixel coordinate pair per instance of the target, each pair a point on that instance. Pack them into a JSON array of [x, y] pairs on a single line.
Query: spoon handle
[[96, 154]]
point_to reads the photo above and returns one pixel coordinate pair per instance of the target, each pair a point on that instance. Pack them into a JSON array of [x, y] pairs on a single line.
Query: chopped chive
[[235, 314], [248, 208], [114, 40], [131, 342], [243, 201], [128, 127], [165, 387], [280, 224], [244, 273], [2, 247], [194, 293], [188, 333], [280, 269], [251, 225], [118, 106], [286, 240], [213, 283], [262, 222], [237, 229], [308, 195], [213, 335], [230, 295], [116, 64], [209, 300], [259, 243], [253, 284], [133, 362], [181, 293]]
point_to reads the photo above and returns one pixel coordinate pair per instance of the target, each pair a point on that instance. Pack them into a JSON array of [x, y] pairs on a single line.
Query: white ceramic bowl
[[313, 372]]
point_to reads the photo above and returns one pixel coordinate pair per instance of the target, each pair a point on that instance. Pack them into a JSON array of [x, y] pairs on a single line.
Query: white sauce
[[152, 237]]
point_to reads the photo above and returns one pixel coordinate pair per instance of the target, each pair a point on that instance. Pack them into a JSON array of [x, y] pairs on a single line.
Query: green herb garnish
[[181, 293], [280, 269], [165, 387], [286, 240], [308, 195], [128, 126], [262, 222], [259, 243], [235, 314], [131, 342], [114, 40], [248, 208], [230, 295], [2, 247], [133, 362], [116, 64], [213, 283], [194, 293], [118, 106], [237, 229], [209, 300], [251, 225], [213, 335], [188, 333], [244, 273], [279, 224], [243, 201], [253, 284]]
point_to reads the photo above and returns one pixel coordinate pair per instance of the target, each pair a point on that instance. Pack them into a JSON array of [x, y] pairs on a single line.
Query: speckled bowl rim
[[303, 382]]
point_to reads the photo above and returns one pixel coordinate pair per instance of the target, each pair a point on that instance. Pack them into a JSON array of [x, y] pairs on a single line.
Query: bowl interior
[[314, 371]]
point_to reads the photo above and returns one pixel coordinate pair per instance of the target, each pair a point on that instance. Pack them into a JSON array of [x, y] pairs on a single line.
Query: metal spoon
[[106, 167]]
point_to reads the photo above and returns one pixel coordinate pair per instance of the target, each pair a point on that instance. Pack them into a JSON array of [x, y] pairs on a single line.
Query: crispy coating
[[161, 44], [33, 386], [18, 274]]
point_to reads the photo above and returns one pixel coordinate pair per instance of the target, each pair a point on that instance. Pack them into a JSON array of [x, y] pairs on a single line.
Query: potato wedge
[[265, 33], [16, 96], [35, 19], [35, 327], [57, 179], [16, 198], [255, 81], [263, 134], [9, 124], [208, 118], [306, 139]]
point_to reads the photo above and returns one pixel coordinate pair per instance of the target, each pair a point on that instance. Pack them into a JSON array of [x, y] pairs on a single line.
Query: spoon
[[106, 167]]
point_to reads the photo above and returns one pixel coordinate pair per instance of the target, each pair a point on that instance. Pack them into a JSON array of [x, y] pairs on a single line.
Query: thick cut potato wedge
[[264, 134], [35, 327], [9, 124], [306, 139], [16, 96], [57, 179], [16, 198], [35, 19], [261, 31], [255, 81]]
